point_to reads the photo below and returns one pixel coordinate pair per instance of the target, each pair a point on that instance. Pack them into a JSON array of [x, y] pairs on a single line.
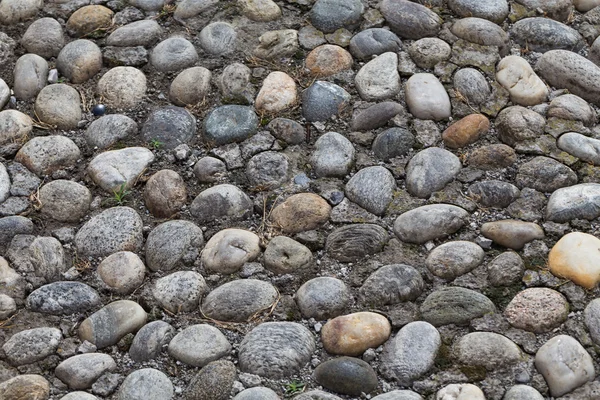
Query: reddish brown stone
[[465, 131], [328, 60]]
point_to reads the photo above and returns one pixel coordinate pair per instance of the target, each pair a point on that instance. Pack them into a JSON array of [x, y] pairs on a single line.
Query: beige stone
[[576, 256], [14, 126], [537, 310], [301, 212], [165, 193], [277, 93], [25, 387], [261, 10], [524, 86], [89, 19], [122, 272], [328, 60], [512, 233], [122, 87], [352, 334]]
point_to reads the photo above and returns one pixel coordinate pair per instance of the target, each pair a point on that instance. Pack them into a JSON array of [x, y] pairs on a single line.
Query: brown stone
[[352, 334], [512, 233], [493, 156], [465, 131], [576, 256], [25, 387], [89, 19], [165, 193], [537, 310], [328, 60], [301, 212]]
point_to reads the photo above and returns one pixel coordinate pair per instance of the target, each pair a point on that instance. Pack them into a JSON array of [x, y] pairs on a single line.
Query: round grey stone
[[148, 5], [522, 392], [453, 259], [209, 170], [323, 298], [122, 272], [331, 15], [108, 130], [333, 155], [578, 145], [30, 76], [276, 349], [79, 396], [229, 124], [410, 20], [63, 298], [494, 10], [173, 244], [214, 381], [147, 384], [429, 222], [517, 124], [59, 105], [191, 86], [43, 155], [165, 193], [173, 54], [171, 126], [392, 284], [218, 38], [257, 393], [379, 78], [399, 395], [180, 291], [79, 60], [65, 201], [149, 340], [353, 242], [322, 100], [543, 34], [139, 33], [13, 11], [346, 375], [545, 175], [44, 37], [81, 371], [472, 85], [235, 84], [31, 345], [506, 269], [197, 345], [500, 352], [431, 170], [239, 300], [268, 169], [393, 142], [8, 306], [427, 52], [122, 87], [221, 201], [455, 305], [284, 255], [483, 32], [572, 108], [372, 188], [372, 42]]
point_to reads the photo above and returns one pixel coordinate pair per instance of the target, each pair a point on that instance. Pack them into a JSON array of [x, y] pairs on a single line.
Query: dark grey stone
[[171, 126], [173, 244], [322, 100], [268, 169], [392, 284], [493, 193], [150, 340], [375, 116], [393, 142], [529, 206], [239, 300], [221, 201], [506, 269], [287, 130], [372, 188], [330, 15], [543, 34], [375, 41], [545, 175], [63, 298], [276, 349], [229, 124], [346, 375], [353, 242], [410, 20], [430, 170], [213, 382], [455, 305], [429, 222], [14, 206], [107, 130]]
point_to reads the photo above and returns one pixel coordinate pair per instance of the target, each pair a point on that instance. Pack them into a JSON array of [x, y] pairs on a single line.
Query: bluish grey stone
[[543, 34], [346, 375], [575, 202], [494, 10], [372, 188], [239, 300], [392, 284], [431, 170], [393, 142], [455, 305], [149, 340], [333, 155], [353, 242], [330, 15], [410, 20], [218, 38], [229, 124], [63, 298], [322, 100], [374, 41], [171, 126]]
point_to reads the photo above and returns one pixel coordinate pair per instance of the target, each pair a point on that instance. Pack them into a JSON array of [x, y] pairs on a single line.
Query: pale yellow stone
[[577, 257], [352, 334], [261, 10]]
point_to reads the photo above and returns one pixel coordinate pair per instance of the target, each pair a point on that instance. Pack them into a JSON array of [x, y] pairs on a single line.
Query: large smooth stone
[[576, 256], [513, 234], [230, 123], [352, 334], [30, 76], [122, 87], [379, 79], [524, 86], [346, 375], [410, 20], [180, 291], [150, 340], [43, 155], [26, 387], [544, 34], [117, 170], [81, 371], [240, 300], [323, 297], [197, 345], [138, 33], [431, 170], [574, 202], [331, 15], [411, 353], [455, 305], [453, 259], [14, 125], [333, 155], [494, 10], [173, 54], [221, 201], [500, 352], [522, 392], [173, 244], [147, 384], [79, 60], [171, 126], [429, 222], [460, 391], [322, 100], [60, 298], [277, 93], [284, 255], [374, 41], [427, 98], [481, 31]]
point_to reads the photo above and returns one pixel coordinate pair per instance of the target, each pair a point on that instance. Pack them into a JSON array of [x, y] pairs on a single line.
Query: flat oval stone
[[574, 202], [276, 349], [555, 9], [567, 70], [139, 33], [115, 229], [346, 375], [524, 86], [465, 131], [379, 79], [31, 345], [429, 222], [180, 291], [316, 395], [229, 249], [240, 300], [455, 305], [330, 15], [375, 116], [392, 284], [63, 298], [411, 353], [410, 20], [150, 339], [146, 383], [494, 10], [173, 54], [500, 352], [301, 212], [352, 334], [575, 256], [221, 201], [431, 170], [122, 272], [565, 364], [284, 255], [333, 155], [81, 371], [353, 242], [481, 31], [197, 345], [25, 386], [43, 155], [493, 193], [107, 130], [229, 124], [262, 10], [88, 19], [323, 298], [172, 244], [453, 259], [44, 37], [116, 170], [426, 97], [580, 146], [544, 34], [109, 324], [372, 188], [428, 52], [513, 234], [322, 100], [374, 41], [537, 310], [545, 174]]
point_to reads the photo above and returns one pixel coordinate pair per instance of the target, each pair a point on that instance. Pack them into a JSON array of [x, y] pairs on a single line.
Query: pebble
[[544, 34], [239, 301], [471, 83], [257, 393], [173, 244], [333, 155], [466, 131], [426, 97], [108, 130], [31, 345], [79, 60], [197, 345], [109, 324], [4, 183], [353, 334], [139, 33], [322, 100], [165, 193], [323, 298], [170, 126], [147, 5], [190, 86], [114, 229], [276, 349], [149, 341], [180, 291], [346, 375], [16, 126], [230, 124], [327, 60], [316, 395], [499, 351], [574, 202], [518, 124], [565, 364], [410, 20], [117, 170], [278, 93], [513, 234], [221, 201], [411, 353], [379, 79], [209, 170], [228, 250], [580, 146], [393, 142], [557, 68], [284, 256], [585, 5], [330, 15], [453, 259], [14, 11], [301, 212], [524, 86], [64, 201], [81, 371], [372, 188], [43, 155], [492, 157], [353, 242], [63, 298], [392, 284], [429, 222], [88, 20], [122, 87], [26, 386], [574, 257], [173, 54], [427, 52], [372, 42], [59, 105], [399, 395], [537, 310], [30, 76], [235, 84], [274, 45], [146, 383], [287, 130], [481, 31], [522, 392], [218, 38], [493, 193], [455, 305], [123, 272], [493, 10], [460, 391], [431, 170]]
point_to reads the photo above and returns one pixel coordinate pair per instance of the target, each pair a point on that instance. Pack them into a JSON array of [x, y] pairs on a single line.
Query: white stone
[[463, 391], [113, 169], [379, 79], [524, 86], [427, 98]]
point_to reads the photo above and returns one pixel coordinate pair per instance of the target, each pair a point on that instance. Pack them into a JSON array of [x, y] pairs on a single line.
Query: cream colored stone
[[524, 86], [277, 93], [585, 5], [261, 10], [577, 257], [352, 334]]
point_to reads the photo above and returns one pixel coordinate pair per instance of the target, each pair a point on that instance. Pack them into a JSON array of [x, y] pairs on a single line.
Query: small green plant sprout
[[156, 144], [294, 387], [120, 194]]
